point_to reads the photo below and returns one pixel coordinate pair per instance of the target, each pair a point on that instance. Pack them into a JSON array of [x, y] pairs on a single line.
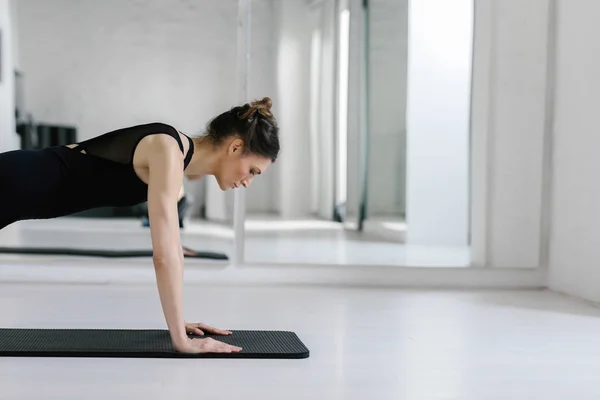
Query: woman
[[138, 164]]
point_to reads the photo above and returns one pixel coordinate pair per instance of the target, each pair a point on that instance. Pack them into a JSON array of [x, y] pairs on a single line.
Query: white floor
[[267, 242], [364, 343]]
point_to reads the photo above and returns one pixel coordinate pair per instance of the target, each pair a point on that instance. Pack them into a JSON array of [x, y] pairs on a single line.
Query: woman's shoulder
[[164, 139], [156, 127]]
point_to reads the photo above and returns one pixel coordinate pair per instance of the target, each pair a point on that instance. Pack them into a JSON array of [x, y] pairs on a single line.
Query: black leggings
[[31, 185]]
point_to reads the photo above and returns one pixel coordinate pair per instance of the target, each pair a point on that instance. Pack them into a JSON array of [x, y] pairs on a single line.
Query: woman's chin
[[222, 186]]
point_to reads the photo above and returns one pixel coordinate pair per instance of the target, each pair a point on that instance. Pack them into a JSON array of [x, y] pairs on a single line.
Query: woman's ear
[[235, 146]]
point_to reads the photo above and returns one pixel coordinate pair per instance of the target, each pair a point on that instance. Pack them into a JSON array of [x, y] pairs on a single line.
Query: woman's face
[[237, 169]]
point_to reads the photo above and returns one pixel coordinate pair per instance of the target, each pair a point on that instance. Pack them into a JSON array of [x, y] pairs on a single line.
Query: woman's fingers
[[193, 329], [214, 346], [227, 348], [220, 332], [188, 251], [213, 330], [198, 331], [206, 345], [201, 328]]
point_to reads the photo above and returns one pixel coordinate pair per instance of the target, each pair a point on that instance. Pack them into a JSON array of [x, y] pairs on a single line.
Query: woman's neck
[[204, 160]]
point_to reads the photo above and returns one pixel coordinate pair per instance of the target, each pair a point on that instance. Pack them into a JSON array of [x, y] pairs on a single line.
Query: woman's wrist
[[179, 340]]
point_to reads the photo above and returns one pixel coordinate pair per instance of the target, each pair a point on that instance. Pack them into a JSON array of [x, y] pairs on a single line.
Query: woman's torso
[[112, 169]]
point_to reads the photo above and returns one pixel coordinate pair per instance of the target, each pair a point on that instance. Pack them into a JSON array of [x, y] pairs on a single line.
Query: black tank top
[[119, 146], [99, 172]]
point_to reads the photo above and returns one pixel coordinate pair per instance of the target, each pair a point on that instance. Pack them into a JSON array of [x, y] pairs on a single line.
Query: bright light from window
[[315, 84], [342, 150]]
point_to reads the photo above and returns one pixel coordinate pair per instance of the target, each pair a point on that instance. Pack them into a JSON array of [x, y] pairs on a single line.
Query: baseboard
[[88, 271]]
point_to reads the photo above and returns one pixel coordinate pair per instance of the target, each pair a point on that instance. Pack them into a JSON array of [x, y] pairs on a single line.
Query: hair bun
[[262, 107]]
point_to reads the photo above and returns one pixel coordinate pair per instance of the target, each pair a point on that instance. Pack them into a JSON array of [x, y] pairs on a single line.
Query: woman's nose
[[247, 181]]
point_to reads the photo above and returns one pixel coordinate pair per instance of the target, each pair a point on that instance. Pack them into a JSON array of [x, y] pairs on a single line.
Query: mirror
[[349, 82], [372, 98]]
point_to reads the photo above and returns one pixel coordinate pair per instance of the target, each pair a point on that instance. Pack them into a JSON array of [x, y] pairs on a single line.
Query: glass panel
[[338, 194]]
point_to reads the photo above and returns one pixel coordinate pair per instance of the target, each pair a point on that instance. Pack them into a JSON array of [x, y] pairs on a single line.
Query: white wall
[[509, 132], [8, 137], [262, 195], [438, 119], [575, 231], [518, 127], [127, 62], [293, 83]]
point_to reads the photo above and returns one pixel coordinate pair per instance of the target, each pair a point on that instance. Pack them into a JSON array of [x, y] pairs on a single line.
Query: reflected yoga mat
[[149, 343], [102, 253]]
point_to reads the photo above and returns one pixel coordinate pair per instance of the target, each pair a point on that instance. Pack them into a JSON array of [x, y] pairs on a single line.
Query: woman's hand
[[188, 252], [206, 345], [200, 328]]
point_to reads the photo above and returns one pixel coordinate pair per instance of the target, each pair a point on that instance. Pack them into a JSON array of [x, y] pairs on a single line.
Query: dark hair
[[253, 123]]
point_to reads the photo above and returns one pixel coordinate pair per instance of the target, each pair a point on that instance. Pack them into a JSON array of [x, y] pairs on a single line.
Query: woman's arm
[[165, 180]]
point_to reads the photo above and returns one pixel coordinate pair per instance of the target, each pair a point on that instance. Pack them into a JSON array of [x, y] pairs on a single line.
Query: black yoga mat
[[149, 343], [64, 251]]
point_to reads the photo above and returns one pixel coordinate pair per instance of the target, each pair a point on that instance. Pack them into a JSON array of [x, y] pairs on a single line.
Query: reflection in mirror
[[347, 82], [90, 68], [298, 204]]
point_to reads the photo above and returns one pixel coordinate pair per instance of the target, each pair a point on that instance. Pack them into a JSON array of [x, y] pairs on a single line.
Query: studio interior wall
[[575, 229], [509, 132], [292, 74]]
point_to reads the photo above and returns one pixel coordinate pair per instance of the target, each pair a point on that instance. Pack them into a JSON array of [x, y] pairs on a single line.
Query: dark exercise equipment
[[121, 343], [63, 251], [40, 135]]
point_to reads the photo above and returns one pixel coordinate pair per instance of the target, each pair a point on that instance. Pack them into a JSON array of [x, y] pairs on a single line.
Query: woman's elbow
[[161, 259]]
